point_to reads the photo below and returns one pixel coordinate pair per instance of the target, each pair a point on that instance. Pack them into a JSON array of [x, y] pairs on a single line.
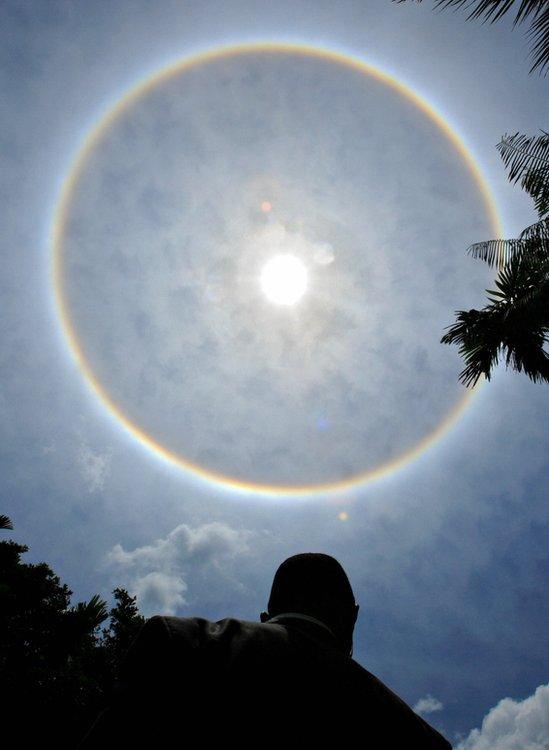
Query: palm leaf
[[514, 325], [496, 252], [536, 184], [539, 36], [490, 10], [534, 240], [521, 152], [527, 160], [523, 286], [538, 232], [485, 335], [493, 10], [5, 522], [477, 333], [89, 615]]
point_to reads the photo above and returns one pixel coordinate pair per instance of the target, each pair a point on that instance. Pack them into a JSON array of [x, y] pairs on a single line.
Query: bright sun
[[284, 279]]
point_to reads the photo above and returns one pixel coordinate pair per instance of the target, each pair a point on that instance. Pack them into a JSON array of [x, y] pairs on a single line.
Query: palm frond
[[537, 11], [477, 333], [521, 153], [533, 241], [489, 10], [493, 10], [527, 159], [528, 356], [538, 232], [536, 184], [90, 614], [496, 252], [483, 336], [522, 287], [536, 239], [514, 325], [539, 37], [5, 522]]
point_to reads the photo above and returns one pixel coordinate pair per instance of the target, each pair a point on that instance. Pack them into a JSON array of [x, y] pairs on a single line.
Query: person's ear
[[264, 616]]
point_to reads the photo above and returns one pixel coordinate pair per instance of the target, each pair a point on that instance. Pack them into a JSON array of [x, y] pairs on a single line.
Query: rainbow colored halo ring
[[59, 226]]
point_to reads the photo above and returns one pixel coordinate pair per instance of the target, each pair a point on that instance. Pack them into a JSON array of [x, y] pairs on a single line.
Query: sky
[[433, 499]]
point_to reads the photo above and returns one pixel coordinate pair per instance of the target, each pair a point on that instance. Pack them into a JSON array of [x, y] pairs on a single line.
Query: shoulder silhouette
[[289, 678]]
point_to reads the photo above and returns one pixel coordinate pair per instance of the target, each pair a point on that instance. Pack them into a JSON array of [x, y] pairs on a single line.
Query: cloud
[[160, 591], [428, 705], [94, 467], [155, 572], [514, 725]]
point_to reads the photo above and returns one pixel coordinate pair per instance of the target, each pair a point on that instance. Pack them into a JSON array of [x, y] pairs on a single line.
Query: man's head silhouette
[[316, 585]]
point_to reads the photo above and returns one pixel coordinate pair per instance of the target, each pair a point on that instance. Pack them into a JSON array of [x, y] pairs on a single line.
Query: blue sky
[[447, 556]]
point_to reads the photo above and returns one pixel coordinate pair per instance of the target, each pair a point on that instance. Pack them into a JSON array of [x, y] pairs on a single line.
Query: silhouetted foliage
[[514, 325], [125, 622], [57, 667], [535, 11], [527, 160]]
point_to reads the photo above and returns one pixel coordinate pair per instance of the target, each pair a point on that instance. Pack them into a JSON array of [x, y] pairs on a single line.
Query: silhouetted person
[[288, 681]]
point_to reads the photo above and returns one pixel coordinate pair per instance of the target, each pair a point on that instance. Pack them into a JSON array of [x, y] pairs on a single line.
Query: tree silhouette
[[57, 667], [125, 622], [515, 323], [535, 11]]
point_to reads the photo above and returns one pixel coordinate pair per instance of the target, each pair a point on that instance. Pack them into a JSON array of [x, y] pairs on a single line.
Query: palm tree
[[515, 323], [5, 522], [536, 11]]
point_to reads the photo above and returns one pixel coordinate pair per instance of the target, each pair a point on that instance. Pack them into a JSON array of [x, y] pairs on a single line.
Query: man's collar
[[299, 616]]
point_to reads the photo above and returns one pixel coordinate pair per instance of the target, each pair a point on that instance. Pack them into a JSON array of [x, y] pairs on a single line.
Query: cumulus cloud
[[156, 572], [94, 467], [160, 591], [514, 725], [428, 705]]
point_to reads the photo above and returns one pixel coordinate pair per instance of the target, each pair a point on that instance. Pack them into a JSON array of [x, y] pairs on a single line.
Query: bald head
[[315, 584]]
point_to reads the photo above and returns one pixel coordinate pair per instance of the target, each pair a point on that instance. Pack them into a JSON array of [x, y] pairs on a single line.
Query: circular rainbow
[[58, 227]]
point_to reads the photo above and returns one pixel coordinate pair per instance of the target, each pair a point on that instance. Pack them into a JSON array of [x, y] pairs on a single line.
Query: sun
[[284, 279]]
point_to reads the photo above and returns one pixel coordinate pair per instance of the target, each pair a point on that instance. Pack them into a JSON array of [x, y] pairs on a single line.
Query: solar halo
[[269, 278]]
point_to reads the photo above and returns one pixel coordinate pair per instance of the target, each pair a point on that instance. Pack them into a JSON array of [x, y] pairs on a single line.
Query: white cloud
[[514, 725], [428, 705], [160, 592], [155, 572], [94, 467]]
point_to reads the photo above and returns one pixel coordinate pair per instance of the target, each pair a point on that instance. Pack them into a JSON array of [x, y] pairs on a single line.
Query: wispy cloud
[[94, 467], [513, 725]]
